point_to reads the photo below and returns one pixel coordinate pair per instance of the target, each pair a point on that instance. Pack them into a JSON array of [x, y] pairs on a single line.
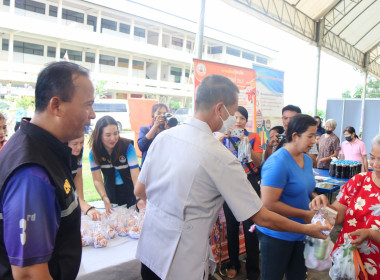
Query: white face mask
[[228, 123]]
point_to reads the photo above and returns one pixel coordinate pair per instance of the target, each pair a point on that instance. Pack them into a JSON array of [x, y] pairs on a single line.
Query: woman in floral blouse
[[358, 206]]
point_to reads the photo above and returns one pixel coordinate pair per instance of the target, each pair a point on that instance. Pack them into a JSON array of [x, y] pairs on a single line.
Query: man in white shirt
[[186, 176]]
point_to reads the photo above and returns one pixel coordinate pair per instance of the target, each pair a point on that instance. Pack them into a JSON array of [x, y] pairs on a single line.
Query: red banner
[[244, 78]]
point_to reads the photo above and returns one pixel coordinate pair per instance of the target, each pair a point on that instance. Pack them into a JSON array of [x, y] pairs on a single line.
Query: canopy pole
[[317, 81], [201, 24], [364, 92]]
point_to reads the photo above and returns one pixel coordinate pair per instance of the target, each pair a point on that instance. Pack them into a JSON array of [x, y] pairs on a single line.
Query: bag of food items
[[122, 222], [347, 263], [317, 253], [326, 216]]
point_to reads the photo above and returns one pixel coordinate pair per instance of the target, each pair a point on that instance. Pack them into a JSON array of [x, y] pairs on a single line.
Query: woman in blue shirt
[[115, 158], [286, 188]]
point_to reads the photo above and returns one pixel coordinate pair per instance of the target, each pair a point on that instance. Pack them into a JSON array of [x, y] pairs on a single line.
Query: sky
[[297, 58]]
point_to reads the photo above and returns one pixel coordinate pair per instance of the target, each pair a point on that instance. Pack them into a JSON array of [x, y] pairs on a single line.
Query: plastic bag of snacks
[[86, 231], [347, 263], [244, 150], [136, 224], [326, 216], [317, 253]]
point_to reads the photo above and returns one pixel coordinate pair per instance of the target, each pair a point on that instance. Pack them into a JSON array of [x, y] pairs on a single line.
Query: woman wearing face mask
[[3, 131], [148, 133], [76, 146], [251, 240], [328, 145], [286, 188], [116, 159], [353, 148]]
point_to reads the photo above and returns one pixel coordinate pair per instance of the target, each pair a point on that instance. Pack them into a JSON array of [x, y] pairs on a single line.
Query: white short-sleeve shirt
[[188, 174]]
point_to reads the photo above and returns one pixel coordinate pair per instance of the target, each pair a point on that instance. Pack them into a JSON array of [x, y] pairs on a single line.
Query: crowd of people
[[187, 174]]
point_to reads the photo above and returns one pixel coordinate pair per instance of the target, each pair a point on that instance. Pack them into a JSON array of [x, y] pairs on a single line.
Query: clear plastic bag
[[317, 253], [326, 216], [244, 150], [347, 263]]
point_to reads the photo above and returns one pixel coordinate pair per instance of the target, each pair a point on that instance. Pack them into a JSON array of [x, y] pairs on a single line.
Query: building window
[[72, 15], [73, 55], [90, 57], [248, 56], [177, 73], [107, 60], [189, 45], [53, 11], [28, 48], [139, 32], [28, 5], [5, 45], [123, 62], [215, 50], [125, 28], [262, 60], [177, 42], [232, 51], [109, 24], [91, 20], [138, 65], [51, 51]]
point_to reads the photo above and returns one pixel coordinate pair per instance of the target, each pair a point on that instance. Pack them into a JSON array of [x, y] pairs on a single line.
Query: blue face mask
[[348, 138]]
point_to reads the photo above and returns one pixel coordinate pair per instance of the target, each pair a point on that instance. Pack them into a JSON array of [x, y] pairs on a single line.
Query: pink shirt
[[353, 151]]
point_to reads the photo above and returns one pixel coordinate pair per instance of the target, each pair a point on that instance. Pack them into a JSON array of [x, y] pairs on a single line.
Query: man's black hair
[[56, 80], [299, 124], [291, 108], [214, 89]]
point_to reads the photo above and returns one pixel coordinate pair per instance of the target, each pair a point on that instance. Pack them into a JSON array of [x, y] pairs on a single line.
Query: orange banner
[[244, 78]]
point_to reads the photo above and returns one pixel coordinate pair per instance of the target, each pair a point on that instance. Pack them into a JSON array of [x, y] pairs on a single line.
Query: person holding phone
[[231, 140], [148, 133], [276, 134]]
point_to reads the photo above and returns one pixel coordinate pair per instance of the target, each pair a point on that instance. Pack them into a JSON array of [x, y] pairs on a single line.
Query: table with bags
[[109, 245]]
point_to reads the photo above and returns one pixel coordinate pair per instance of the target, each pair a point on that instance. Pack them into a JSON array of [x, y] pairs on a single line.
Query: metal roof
[[347, 29]]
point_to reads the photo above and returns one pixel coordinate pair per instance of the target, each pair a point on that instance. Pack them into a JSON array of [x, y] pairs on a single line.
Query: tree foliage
[[372, 90]]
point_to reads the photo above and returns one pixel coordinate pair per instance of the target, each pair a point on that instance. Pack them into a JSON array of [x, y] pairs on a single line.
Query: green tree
[[100, 89], [346, 94], [372, 91]]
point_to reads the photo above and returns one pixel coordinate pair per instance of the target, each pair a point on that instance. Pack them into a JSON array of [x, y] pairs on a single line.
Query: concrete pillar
[[184, 43], [59, 12], [99, 22], [132, 30], [159, 70], [205, 50], [12, 4], [160, 37], [97, 55], [10, 51], [130, 69], [183, 77], [58, 51]]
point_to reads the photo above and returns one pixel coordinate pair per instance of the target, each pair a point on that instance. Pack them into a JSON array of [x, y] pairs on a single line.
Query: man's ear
[[54, 106], [218, 108]]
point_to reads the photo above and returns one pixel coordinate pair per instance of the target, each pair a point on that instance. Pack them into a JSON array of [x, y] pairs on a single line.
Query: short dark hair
[[214, 89], [299, 124], [350, 129], [243, 111], [158, 106], [278, 128], [95, 141], [56, 80], [320, 121], [291, 108]]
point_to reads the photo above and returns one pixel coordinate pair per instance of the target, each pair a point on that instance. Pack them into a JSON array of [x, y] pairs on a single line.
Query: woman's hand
[[361, 235], [107, 205], [318, 202], [158, 121], [326, 159], [225, 135], [94, 214]]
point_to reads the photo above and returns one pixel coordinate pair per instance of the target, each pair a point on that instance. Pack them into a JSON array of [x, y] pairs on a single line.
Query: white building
[[139, 51]]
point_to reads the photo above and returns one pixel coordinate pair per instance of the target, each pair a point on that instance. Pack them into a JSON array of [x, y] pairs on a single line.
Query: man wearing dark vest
[[39, 209]]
